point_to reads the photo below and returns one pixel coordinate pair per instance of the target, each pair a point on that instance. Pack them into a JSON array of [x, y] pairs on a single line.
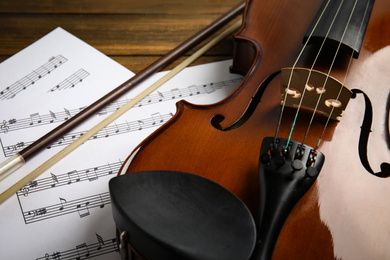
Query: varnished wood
[[149, 7], [112, 27], [134, 33], [237, 169], [228, 153]]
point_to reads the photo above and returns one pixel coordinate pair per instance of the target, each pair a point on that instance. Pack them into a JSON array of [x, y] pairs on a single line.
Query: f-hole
[[364, 135], [217, 119]]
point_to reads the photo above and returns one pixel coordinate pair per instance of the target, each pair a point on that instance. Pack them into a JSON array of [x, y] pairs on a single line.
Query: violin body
[[345, 213]]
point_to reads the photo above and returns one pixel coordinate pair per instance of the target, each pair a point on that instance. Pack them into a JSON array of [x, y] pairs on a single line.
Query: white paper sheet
[[65, 213]]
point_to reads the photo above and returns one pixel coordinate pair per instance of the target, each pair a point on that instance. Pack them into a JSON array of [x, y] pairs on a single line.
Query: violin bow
[[19, 159]]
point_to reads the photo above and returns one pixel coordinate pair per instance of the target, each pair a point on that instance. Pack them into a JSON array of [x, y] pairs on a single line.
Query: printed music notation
[[71, 81], [71, 177], [75, 193], [189, 91], [30, 79], [84, 250], [155, 120], [36, 119], [82, 206], [38, 241]]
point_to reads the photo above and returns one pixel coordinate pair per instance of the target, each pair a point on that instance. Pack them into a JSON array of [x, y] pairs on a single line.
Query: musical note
[[12, 149], [111, 130], [71, 81], [40, 72], [82, 206], [33, 184], [100, 241], [148, 99], [82, 250], [161, 96], [86, 251], [9, 149], [59, 141], [30, 79], [111, 171], [117, 128], [116, 105], [37, 212], [176, 93], [194, 90], [128, 128], [84, 200], [7, 93], [102, 205], [102, 112], [114, 245], [157, 118], [35, 118], [83, 210], [62, 201], [209, 88], [55, 180], [59, 116], [140, 124], [56, 255], [20, 145], [75, 175], [74, 137], [53, 116], [94, 175], [67, 113], [56, 87], [107, 134], [82, 108], [71, 177]]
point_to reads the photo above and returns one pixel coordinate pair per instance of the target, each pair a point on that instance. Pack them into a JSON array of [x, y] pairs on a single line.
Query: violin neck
[[342, 22]]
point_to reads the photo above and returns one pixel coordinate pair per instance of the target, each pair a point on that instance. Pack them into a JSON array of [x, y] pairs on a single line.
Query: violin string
[[327, 76], [309, 75], [331, 112], [295, 63], [345, 79]]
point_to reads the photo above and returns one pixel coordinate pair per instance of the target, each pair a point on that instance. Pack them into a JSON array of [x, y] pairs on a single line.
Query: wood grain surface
[[134, 33]]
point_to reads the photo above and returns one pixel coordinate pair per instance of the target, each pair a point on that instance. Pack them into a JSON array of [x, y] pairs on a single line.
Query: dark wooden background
[[134, 33]]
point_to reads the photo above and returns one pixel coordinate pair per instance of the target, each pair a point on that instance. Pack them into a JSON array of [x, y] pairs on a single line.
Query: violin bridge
[[306, 86]]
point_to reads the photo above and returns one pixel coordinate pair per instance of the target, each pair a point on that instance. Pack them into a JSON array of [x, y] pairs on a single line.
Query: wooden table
[[134, 33]]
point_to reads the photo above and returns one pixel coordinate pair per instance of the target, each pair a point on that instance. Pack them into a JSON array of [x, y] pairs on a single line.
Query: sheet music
[[65, 213]]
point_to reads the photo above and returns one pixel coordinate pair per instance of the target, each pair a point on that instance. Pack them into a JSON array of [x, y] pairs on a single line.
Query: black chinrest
[[177, 215]]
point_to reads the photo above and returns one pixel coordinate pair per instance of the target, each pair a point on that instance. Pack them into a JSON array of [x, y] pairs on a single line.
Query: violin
[[303, 142]]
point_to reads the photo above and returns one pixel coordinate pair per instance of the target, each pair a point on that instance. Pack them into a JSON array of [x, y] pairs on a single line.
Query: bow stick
[[94, 130], [18, 159]]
